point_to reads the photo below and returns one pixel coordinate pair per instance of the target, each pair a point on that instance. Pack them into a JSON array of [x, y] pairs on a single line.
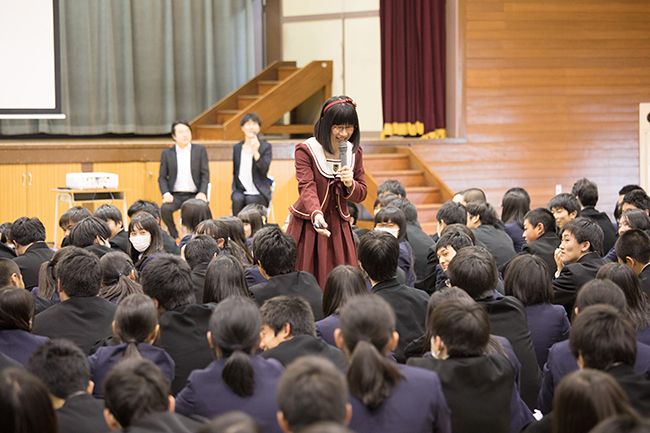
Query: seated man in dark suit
[[112, 216], [473, 269], [288, 332], [137, 398], [6, 247], [577, 259], [633, 249], [91, 234], [541, 238], [64, 369], [483, 221], [183, 323], [587, 194], [28, 236], [378, 256], [81, 316], [199, 251], [275, 253], [152, 209]]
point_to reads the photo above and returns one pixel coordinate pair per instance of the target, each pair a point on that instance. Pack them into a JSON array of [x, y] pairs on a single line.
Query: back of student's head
[[384, 200], [628, 423], [474, 270], [455, 239], [367, 328], [515, 204], [8, 268], [72, 216], [168, 280], [310, 390], [47, 279], [231, 422], [79, 273], [638, 304], [194, 211], [25, 231], [275, 250], [235, 329], [144, 206], [484, 210], [438, 298], [117, 268], [224, 277], [638, 199], [108, 212], [462, 325], [26, 405], [353, 209], [379, 254], [635, 219], [292, 310], [135, 388], [586, 230], [86, 231], [16, 309], [541, 216], [5, 228], [472, 195], [253, 217], [62, 366], [459, 228], [565, 201], [236, 228], [586, 191], [527, 279], [603, 336], [452, 213], [634, 244], [392, 215], [409, 209], [343, 283], [136, 319], [392, 186], [600, 292], [200, 249]]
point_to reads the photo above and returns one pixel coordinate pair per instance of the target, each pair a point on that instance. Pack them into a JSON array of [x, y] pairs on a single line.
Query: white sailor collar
[[326, 166]]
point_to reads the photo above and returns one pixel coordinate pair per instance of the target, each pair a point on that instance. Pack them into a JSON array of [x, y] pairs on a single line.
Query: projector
[[91, 180]]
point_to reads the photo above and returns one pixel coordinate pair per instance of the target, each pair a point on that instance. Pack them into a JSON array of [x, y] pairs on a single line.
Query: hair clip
[[338, 102]]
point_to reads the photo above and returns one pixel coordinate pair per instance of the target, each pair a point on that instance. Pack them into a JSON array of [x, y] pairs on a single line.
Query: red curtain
[[413, 67]]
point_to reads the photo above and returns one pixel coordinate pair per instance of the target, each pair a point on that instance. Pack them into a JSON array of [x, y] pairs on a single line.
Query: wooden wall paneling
[[286, 188], [151, 188], [13, 204], [221, 179]]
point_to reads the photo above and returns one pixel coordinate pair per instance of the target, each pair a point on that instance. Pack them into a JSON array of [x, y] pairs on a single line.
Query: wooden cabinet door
[[13, 198], [151, 189]]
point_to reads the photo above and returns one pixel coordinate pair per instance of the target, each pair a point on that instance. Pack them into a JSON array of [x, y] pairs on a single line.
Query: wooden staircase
[[423, 187], [278, 89]]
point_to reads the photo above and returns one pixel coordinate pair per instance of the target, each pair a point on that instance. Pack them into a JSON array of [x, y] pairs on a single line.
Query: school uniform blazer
[[120, 241], [573, 276], [7, 362], [636, 386], [165, 422], [30, 262], [644, 279], [169, 244], [296, 283], [410, 307], [497, 242], [561, 362], [6, 252], [415, 404], [169, 170], [548, 324], [420, 243], [260, 169], [207, 394], [83, 320], [82, 413], [325, 328], [303, 345], [516, 234], [254, 276], [19, 344], [605, 224], [544, 247], [198, 279], [405, 262]]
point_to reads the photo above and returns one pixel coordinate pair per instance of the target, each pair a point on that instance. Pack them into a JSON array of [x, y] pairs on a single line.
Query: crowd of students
[[535, 321]]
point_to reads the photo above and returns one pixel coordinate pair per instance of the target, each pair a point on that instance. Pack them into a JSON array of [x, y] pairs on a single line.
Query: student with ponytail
[[238, 379], [386, 397], [136, 325], [118, 277]]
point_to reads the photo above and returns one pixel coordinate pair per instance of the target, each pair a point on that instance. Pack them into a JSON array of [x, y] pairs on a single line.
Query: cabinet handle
[[150, 173], [24, 179], [30, 179]]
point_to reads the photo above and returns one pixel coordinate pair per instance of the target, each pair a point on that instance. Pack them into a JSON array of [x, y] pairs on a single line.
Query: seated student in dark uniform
[[541, 238], [378, 256], [193, 212], [169, 243], [64, 369], [483, 221], [577, 259], [587, 194], [28, 236], [275, 253], [354, 217], [393, 221], [386, 397], [118, 277], [138, 399], [238, 379], [474, 270], [253, 219], [633, 249], [183, 323], [514, 206], [10, 275], [145, 240], [391, 187], [48, 286], [112, 216], [91, 234], [448, 245], [198, 252], [480, 388], [636, 199], [565, 207], [69, 218], [81, 316], [631, 219], [6, 246], [224, 278]]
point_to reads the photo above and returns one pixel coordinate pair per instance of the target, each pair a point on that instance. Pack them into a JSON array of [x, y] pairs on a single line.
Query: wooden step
[[427, 212], [209, 132], [290, 129], [285, 71], [246, 100], [386, 161], [264, 86], [407, 177], [423, 194], [224, 115]]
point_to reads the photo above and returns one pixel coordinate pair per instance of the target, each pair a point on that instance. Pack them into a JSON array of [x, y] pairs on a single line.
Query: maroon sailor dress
[[321, 191]]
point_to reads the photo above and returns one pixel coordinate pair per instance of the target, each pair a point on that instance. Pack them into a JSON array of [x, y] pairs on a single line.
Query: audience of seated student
[[16, 316], [619, 203], [253, 221], [47, 280], [6, 246], [138, 206], [633, 249], [64, 370], [383, 200], [238, 379], [636, 199], [119, 277], [393, 221], [577, 259], [473, 269], [231, 422], [225, 278], [238, 236], [183, 323], [138, 399], [565, 207], [451, 241], [219, 230], [69, 218], [482, 219], [469, 195], [378, 257], [541, 237], [312, 390], [193, 212], [28, 236], [136, 327], [514, 206], [276, 253], [631, 219], [198, 253], [527, 279], [92, 234], [145, 240], [26, 407], [288, 332], [343, 283], [112, 216], [81, 316], [587, 194], [628, 423], [386, 397]]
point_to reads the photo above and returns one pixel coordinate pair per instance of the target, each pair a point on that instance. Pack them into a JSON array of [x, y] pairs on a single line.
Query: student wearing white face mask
[[145, 240], [393, 221]]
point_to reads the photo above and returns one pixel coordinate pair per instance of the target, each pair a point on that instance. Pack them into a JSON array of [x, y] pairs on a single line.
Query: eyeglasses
[[347, 128]]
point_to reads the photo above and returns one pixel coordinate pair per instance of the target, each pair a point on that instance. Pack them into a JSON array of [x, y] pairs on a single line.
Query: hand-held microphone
[[343, 149]]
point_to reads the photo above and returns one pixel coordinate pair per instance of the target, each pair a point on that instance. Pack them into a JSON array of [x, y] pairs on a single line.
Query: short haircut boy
[[455, 239], [62, 366], [452, 213], [79, 273], [637, 198], [168, 280], [353, 209], [392, 186], [25, 231], [85, 232], [108, 212], [275, 250], [144, 206], [248, 117], [586, 191], [484, 210], [472, 195], [200, 249], [565, 201], [474, 270], [541, 216], [463, 325], [379, 254], [586, 230], [292, 310], [635, 244], [72, 216], [384, 200], [409, 209], [7, 268]]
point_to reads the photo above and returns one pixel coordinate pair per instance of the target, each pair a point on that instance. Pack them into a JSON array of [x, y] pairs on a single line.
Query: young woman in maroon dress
[[320, 221]]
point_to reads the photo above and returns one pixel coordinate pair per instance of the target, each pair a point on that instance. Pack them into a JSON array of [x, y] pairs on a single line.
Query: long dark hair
[[135, 319], [515, 205], [393, 215], [637, 302], [527, 279], [219, 229], [235, 331], [341, 113], [237, 235], [47, 279], [16, 309], [253, 217], [223, 278], [145, 221], [116, 283], [637, 219], [367, 325], [193, 212], [342, 284], [26, 404]]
